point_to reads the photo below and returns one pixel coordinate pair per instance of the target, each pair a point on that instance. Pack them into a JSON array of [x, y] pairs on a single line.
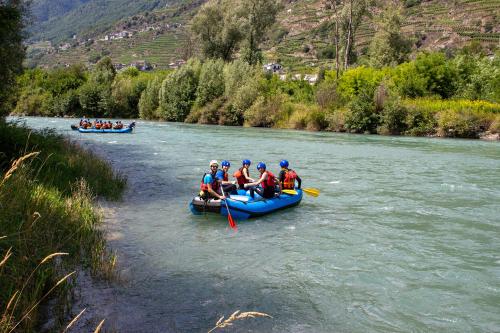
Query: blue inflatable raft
[[127, 129], [242, 206]]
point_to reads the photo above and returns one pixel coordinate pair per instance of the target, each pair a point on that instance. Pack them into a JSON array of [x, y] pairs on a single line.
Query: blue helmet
[[246, 162], [225, 163], [284, 164], [261, 165]]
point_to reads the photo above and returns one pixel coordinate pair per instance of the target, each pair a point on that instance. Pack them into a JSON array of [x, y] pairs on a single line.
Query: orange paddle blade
[[232, 224]]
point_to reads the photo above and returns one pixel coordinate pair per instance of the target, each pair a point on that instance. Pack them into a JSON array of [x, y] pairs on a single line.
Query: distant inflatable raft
[[242, 206], [127, 129]]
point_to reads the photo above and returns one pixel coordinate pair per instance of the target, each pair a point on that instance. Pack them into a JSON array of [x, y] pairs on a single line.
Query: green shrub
[[420, 121], [336, 120], [178, 93], [362, 117], [211, 82], [461, 124], [327, 52], [393, 118], [326, 95], [148, 103], [359, 81], [265, 111]]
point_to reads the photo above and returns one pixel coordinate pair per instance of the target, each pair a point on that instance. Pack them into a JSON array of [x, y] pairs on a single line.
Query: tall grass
[[48, 221]]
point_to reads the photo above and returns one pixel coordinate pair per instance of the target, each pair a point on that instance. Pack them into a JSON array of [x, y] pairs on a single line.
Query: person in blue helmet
[[288, 177], [242, 175], [210, 187], [267, 182], [222, 177]]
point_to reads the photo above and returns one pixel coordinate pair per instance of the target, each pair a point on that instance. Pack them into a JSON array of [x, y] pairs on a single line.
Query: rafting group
[[100, 126], [244, 196], [216, 184]]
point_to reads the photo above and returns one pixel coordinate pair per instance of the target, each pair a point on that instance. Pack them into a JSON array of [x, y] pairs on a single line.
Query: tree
[[217, 26], [12, 51], [389, 47], [148, 104], [261, 14], [211, 84], [223, 25], [353, 12]]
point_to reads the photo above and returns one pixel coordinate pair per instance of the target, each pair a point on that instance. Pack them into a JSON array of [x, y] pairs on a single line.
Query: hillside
[[296, 40], [59, 20]]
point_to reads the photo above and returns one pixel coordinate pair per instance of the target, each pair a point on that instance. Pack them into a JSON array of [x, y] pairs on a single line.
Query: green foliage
[[439, 74], [479, 77], [327, 52], [218, 28], [178, 92], [362, 117], [211, 83], [223, 26], [11, 50], [359, 81], [265, 111], [148, 103], [389, 47], [47, 207], [461, 124], [393, 118]]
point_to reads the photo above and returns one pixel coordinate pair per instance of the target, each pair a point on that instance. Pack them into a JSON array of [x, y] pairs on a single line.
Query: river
[[403, 238]]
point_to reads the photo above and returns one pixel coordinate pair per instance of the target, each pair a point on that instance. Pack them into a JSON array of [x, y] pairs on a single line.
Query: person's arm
[[299, 182], [245, 174], [261, 179], [212, 191]]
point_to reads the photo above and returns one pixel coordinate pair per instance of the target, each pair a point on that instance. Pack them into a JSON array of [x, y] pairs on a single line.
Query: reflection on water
[[404, 236]]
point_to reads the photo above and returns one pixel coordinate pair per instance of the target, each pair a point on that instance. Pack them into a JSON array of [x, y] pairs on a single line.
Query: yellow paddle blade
[[292, 192], [311, 191]]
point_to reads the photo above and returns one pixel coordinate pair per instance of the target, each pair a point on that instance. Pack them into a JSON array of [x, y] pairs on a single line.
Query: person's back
[[287, 177]]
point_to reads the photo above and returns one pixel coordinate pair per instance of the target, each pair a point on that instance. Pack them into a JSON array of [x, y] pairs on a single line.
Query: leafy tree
[[148, 104], [217, 25], [260, 15], [178, 92], [389, 47], [211, 84], [12, 51]]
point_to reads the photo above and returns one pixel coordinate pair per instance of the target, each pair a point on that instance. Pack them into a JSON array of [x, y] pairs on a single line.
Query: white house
[[273, 68]]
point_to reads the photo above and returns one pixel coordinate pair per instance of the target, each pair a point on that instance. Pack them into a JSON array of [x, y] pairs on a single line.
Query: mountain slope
[[61, 19], [297, 40]]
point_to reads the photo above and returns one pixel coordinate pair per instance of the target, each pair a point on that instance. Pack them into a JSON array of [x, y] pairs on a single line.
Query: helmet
[[284, 164], [214, 162], [225, 163], [261, 165], [246, 162]]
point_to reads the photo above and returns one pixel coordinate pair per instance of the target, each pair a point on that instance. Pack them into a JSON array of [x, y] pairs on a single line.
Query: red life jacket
[[289, 181], [269, 182], [204, 187], [225, 176], [240, 177]]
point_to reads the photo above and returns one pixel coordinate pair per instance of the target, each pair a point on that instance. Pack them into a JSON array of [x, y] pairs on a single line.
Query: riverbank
[[49, 222], [432, 95]]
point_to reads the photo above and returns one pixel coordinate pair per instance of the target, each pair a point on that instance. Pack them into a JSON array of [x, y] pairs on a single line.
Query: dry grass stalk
[[41, 299], [71, 323], [6, 257], [16, 164], [2, 237], [50, 256], [237, 316], [98, 328]]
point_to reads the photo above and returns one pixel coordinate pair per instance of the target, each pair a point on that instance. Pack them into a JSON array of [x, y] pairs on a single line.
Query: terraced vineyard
[[435, 24]]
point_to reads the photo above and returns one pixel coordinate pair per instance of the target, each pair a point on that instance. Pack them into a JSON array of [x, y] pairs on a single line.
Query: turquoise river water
[[405, 236]]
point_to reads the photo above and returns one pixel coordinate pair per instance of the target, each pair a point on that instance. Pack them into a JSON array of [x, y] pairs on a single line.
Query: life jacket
[[269, 182], [226, 178], [240, 177], [289, 181], [204, 187]]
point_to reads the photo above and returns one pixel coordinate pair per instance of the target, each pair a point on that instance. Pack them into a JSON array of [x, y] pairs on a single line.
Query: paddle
[[311, 191], [232, 224]]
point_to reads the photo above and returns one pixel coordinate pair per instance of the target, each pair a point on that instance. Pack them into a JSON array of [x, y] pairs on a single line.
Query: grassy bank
[[49, 226]]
